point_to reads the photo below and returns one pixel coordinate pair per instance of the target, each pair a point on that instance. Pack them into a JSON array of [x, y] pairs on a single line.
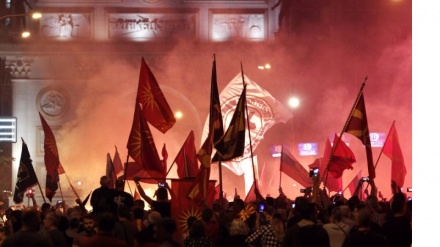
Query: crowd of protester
[[116, 219]]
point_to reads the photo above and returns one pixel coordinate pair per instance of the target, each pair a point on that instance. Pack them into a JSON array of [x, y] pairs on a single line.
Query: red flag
[[292, 168], [358, 126], [342, 158], [141, 147], [391, 148], [182, 208], [231, 144], [251, 196], [354, 183], [155, 108], [136, 195], [164, 159], [186, 159], [51, 160], [110, 171], [214, 135], [117, 163]]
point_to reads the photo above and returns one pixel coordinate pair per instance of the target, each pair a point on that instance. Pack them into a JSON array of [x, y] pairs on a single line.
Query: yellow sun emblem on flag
[[185, 215], [246, 212]]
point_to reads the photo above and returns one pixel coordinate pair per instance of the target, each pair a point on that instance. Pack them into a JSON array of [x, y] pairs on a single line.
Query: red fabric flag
[[155, 108], [51, 160], [332, 184], [251, 196], [141, 147], [358, 126], [136, 195], [164, 159], [110, 171], [292, 168], [342, 159], [117, 163], [354, 183], [391, 148], [182, 208], [186, 159], [231, 144], [214, 135]]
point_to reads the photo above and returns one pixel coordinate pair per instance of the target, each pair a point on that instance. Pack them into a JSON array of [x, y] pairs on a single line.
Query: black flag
[[26, 176]]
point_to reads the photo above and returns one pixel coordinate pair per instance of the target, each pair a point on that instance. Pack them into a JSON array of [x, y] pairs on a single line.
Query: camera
[[365, 179], [302, 190], [340, 193], [161, 185], [261, 208], [409, 189], [313, 172], [293, 205], [59, 202]]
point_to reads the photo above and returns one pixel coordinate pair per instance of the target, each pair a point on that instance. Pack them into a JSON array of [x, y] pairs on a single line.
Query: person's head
[[139, 204], [165, 229], [336, 215], [50, 221], [89, 222], [45, 208], [307, 211], [372, 201], [398, 203], [162, 194], [16, 220], [105, 181], [119, 185], [238, 227], [153, 217], [138, 213], [189, 221], [105, 222], [207, 214], [364, 217], [31, 219], [197, 229]]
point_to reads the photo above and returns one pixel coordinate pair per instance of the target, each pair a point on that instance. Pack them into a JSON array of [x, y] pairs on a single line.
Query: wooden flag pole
[[249, 134], [61, 191], [281, 158]]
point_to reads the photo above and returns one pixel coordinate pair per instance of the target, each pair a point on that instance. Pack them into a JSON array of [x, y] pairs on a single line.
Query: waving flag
[[231, 145], [110, 171], [155, 108], [186, 159], [391, 148], [51, 160], [354, 183], [200, 188], [26, 176], [264, 111], [117, 163], [292, 168], [342, 159], [141, 147], [358, 126]]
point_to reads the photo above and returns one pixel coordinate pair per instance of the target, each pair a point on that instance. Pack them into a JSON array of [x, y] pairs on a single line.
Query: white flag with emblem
[[263, 109]]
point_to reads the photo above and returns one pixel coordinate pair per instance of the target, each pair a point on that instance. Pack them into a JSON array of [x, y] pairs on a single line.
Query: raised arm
[[142, 192]]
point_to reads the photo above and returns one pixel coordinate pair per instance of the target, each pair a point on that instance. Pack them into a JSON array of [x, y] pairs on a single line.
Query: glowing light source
[[263, 67], [79, 183], [36, 15], [293, 102], [25, 34], [178, 114]]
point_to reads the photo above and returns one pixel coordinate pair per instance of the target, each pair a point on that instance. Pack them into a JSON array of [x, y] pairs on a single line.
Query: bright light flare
[[178, 114], [25, 34], [293, 102], [36, 15]]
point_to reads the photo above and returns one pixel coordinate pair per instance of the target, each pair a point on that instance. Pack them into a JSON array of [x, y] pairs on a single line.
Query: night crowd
[[117, 219]]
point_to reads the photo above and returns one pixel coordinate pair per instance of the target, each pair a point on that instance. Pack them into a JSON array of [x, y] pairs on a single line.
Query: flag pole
[[61, 191], [249, 132], [174, 161], [281, 158], [125, 170], [353, 108]]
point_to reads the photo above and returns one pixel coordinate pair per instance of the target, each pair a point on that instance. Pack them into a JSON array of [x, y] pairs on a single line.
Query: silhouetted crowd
[[117, 219]]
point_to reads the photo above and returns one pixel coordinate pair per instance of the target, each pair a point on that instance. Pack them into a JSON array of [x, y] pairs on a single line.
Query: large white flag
[[263, 109]]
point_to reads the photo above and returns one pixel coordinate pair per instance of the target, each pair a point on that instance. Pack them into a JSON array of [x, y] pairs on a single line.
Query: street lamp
[[34, 15]]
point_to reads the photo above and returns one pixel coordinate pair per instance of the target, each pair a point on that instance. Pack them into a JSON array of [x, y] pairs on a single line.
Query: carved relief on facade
[[152, 26], [19, 66], [52, 102], [247, 26], [65, 26]]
